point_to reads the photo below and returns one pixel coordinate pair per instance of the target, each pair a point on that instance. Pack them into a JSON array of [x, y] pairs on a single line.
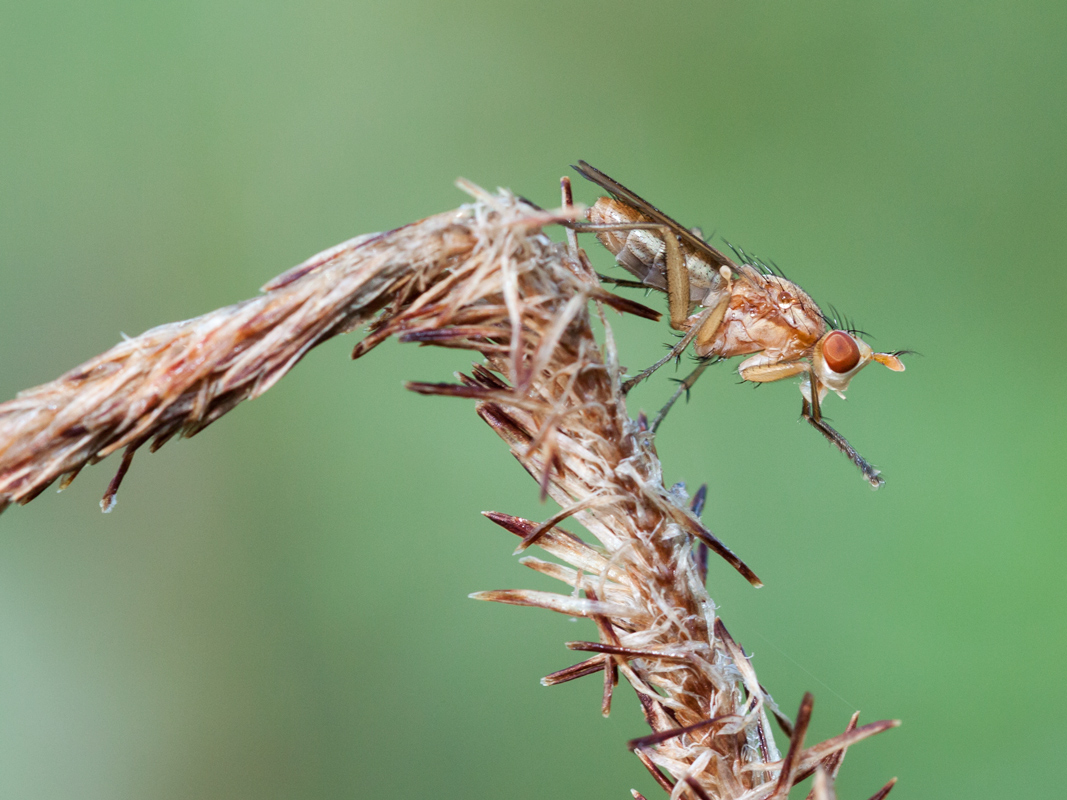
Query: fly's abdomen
[[643, 253]]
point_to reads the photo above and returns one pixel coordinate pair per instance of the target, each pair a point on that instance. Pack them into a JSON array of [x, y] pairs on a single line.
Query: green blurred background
[[277, 608]]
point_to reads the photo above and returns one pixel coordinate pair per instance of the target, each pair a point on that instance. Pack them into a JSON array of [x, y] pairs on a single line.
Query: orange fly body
[[728, 309]]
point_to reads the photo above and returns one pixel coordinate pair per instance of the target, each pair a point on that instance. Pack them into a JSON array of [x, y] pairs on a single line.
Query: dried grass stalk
[[482, 278]]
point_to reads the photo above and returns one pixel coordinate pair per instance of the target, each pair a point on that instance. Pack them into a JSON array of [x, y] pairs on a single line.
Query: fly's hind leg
[[683, 388], [622, 282], [677, 290], [568, 204], [677, 273], [698, 325], [584, 267], [704, 328], [812, 413]]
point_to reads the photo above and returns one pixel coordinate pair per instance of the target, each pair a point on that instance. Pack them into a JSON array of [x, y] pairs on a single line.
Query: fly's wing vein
[[772, 287], [689, 239]]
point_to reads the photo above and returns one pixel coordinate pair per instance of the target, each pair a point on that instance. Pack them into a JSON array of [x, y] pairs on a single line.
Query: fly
[[728, 309]]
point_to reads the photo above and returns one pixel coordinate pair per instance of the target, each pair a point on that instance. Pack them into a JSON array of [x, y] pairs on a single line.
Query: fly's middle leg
[[708, 331], [677, 288], [675, 352]]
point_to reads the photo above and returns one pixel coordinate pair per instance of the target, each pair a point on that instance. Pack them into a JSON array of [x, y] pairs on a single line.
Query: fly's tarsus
[[870, 472]]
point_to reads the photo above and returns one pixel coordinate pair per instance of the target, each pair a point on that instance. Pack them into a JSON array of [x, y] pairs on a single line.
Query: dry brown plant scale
[[485, 278]]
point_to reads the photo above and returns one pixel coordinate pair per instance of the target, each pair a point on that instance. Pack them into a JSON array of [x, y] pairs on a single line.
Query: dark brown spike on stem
[[68, 479], [629, 652], [369, 342], [740, 659], [813, 756], [505, 426], [453, 390], [523, 527], [662, 736], [439, 335], [665, 783], [713, 542], [109, 499], [696, 788], [588, 667], [488, 379], [783, 721], [611, 664], [832, 763], [517, 525], [657, 717], [796, 744], [696, 505], [885, 790], [552, 463], [611, 680]]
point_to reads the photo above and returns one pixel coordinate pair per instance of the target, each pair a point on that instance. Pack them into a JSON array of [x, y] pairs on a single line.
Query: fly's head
[[838, 356]]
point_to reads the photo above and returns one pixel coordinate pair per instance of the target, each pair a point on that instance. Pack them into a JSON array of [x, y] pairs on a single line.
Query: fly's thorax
[[775, 316], [780, 298]]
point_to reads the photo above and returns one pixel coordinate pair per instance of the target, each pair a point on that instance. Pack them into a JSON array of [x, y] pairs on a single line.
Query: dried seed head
[[482, 278]]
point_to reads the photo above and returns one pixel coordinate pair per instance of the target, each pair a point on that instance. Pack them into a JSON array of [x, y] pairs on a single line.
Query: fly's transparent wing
[[689, 239]]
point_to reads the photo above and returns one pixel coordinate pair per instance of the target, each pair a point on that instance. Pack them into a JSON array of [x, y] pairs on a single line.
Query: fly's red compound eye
[[840, 351]]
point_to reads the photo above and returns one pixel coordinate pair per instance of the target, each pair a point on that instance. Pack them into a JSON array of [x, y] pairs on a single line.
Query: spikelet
[[485, 278]]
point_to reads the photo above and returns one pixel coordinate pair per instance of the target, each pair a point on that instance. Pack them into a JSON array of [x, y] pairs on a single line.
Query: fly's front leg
[[812, 413]]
